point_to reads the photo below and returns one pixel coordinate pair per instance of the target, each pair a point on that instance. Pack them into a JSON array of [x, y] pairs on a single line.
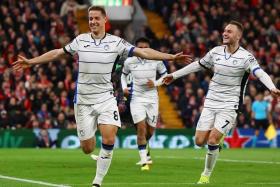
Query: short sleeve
[[207, 61], [125, 49], [161, 69], [72, 47], [251, 64]]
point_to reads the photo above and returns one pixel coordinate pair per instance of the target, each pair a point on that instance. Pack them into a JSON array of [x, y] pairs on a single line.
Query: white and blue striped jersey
[[231, 72], [141, 71], [96, 58]]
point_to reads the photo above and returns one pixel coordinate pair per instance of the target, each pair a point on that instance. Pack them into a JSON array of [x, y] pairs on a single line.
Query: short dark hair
[[98, 8], [237, 24], [143, 40]]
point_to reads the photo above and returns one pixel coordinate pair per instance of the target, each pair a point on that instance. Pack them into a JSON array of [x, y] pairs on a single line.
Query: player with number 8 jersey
[[95, 104]]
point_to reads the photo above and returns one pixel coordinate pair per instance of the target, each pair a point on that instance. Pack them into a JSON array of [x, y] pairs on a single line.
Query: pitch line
[[223, 160], [32, 181], [243, 161], [148, 183], [264, 183], [138, 184]]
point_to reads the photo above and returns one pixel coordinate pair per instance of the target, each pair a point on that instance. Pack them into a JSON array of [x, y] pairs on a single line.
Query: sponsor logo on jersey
[[134, 66]]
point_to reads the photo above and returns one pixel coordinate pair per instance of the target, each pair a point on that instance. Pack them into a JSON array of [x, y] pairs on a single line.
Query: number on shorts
[[227, 122], [116, 117]]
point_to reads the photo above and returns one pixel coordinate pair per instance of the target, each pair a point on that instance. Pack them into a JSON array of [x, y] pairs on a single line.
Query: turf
[[178, 168]]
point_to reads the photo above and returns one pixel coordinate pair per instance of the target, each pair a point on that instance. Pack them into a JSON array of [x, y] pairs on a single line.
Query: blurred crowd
[[42, 97]]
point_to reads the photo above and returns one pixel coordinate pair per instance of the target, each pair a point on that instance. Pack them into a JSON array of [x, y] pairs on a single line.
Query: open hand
[[180, 57], [21, 63], [168, 79], [275, 92]]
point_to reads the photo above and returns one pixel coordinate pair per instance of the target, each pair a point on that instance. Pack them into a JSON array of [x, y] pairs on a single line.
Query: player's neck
[[98, 35], [232, 48]]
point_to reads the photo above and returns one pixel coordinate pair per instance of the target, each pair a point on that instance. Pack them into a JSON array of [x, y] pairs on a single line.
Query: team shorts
[[88, 117], [222, 120], [261, 123], [144, 111]]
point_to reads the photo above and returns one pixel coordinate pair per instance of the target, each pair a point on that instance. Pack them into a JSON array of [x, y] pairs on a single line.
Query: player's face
[[96, 21], [231, 34], [143, 45]]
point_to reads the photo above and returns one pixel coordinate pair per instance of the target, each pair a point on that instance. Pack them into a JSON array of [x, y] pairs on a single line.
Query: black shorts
[[261, 123]]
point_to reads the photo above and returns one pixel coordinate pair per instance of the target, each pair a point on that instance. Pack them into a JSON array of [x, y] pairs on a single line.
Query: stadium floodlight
[[112, 2]]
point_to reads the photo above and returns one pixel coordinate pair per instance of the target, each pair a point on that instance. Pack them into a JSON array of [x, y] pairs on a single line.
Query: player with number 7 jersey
[[231, 65]]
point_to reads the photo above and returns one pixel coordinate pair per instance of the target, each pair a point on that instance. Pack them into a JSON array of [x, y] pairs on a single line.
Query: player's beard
[[228, 41]]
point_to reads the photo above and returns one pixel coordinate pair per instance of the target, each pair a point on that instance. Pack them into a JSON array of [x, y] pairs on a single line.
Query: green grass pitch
[[171, 168]]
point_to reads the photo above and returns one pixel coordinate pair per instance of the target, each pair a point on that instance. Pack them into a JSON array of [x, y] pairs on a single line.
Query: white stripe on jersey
[[96, 61], [231, 72], [141, 71]]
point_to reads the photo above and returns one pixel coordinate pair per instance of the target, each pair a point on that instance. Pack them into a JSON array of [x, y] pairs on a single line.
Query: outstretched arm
[[191, 68], [266, 80], [52, 55], [151, 54]]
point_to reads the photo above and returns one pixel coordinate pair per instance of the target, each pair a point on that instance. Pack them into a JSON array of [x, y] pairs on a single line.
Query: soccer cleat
[[203, 179], [150, 162], [145, 167], [94, 157], [96, 185]]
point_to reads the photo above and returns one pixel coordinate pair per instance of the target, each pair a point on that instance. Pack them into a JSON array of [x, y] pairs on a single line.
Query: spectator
[[61, 121], [44, 140], [261, 115], [5, 121]]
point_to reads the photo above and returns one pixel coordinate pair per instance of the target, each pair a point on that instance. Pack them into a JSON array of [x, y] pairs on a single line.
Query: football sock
[[103, 163], [210, 160], [142, 153]]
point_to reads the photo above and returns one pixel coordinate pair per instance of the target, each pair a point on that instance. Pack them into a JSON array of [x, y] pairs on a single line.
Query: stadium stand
[[42, 96]]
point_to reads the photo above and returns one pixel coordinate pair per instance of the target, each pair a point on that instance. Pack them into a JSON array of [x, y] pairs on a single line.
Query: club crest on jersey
[[234, 62], [82, 132], [106, 47]]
